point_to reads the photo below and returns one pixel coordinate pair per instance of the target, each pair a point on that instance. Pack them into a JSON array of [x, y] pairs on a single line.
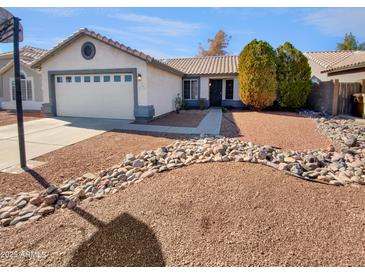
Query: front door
[[215, 93]]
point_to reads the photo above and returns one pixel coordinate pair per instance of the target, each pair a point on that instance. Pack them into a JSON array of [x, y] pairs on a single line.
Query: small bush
[[257, 75], [203, 103], [179, 103], [293, 76]]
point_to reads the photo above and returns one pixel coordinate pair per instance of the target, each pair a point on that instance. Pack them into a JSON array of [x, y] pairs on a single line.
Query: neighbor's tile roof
[[327, 59], [28, 54], [208, 65], [108, 41], [356, 60]]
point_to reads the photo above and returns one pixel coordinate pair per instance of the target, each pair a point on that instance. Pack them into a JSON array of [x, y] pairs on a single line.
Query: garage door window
[[68, 79], [117, 78], [96, 79], [106, 78], [87, 79], [59, 79], [128, 78], [77, 79]]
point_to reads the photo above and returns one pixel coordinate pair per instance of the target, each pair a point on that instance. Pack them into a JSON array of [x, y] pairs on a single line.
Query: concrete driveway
[[49, 134]]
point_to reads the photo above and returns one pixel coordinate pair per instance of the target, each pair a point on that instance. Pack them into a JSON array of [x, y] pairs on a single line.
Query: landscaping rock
[[50, 199], [326, 166], [51, 189], [46, 210]]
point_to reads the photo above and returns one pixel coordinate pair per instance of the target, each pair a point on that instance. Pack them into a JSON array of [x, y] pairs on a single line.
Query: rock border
[[323, 166]]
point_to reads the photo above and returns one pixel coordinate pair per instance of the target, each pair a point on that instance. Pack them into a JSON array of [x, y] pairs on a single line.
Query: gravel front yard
[[186, 118], [8, 118], [73, 161], [285, 130], [214, 214]]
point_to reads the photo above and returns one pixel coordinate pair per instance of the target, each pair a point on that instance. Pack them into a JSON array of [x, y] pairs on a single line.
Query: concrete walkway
[[45, 135]]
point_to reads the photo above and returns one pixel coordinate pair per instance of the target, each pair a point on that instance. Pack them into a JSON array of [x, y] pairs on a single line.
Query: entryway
[[215, 92]]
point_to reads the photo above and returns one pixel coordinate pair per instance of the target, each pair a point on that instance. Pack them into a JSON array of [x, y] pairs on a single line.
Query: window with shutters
[[26, 87]]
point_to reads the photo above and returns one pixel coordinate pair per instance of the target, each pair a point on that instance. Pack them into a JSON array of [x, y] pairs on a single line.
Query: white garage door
[[95, 95]]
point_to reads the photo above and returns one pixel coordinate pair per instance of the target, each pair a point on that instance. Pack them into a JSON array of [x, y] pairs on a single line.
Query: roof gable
[[107, 41]]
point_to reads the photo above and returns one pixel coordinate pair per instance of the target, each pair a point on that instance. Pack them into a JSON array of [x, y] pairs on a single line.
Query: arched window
[[26, 86]]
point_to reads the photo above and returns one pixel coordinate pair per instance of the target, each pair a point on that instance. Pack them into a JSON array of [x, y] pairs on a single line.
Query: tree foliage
[[217, 45], [257, 75], [293, 75], [350, 43]]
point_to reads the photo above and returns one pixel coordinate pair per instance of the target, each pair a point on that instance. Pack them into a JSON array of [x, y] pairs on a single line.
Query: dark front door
[[215, 93]]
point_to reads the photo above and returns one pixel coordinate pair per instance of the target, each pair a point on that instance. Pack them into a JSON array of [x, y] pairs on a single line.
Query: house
[[212, 78], [345, 65], [90, 75], [30, 80], [337, 75]]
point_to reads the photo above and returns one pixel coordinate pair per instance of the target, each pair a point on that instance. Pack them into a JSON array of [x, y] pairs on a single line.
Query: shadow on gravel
[[125, 241], [229, 127], [39, 178]]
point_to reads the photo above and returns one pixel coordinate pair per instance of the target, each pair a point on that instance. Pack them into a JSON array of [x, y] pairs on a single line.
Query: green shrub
[[257, 75], [293, 75], [203, 103]]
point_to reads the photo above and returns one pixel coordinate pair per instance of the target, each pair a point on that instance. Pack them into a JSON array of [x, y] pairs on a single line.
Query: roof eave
[[350, 67]]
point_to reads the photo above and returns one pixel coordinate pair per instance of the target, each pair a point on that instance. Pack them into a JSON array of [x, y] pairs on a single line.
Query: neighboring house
[[89, 75], [30, 80], [346, 66]]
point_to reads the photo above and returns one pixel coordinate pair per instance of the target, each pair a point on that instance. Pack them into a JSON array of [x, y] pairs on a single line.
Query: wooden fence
[[342, 97], [335, 97]]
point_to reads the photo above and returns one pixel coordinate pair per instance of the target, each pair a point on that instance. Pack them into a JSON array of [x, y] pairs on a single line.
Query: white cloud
[[338, 21], [157, 25], [61, 12]]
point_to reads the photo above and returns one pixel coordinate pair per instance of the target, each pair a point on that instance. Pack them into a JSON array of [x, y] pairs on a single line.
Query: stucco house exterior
[[90, 75], [30, 80], [345, 65]]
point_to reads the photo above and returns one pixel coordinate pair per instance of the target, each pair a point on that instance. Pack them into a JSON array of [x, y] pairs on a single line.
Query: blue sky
[[177, 32]]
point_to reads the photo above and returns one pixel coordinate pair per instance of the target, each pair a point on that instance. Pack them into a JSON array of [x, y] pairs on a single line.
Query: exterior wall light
[[139, 77]]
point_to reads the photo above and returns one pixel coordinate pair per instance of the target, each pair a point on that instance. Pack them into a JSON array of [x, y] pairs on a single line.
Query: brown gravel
[[91, 155], [216, 214], [286, 130], [8, 118], [186, 118]]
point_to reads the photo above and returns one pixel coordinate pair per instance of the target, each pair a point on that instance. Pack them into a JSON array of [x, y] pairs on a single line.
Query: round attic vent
[[88, 50]]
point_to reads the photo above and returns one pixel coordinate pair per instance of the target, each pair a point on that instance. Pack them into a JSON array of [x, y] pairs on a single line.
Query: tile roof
[[327, 59], [108, 41], [356, 60], [28, 54], [208, 65]]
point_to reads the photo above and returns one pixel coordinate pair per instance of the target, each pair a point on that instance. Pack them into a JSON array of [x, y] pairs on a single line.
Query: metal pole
[[18, 94]]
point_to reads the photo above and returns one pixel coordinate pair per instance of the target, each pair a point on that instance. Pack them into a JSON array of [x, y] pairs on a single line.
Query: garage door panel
[[95, 99]]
